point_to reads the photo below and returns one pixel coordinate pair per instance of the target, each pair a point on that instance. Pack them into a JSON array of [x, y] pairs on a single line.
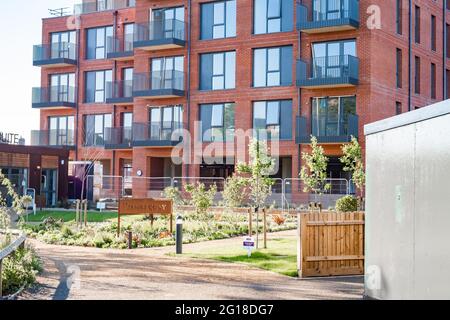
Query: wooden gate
[[332, 244]]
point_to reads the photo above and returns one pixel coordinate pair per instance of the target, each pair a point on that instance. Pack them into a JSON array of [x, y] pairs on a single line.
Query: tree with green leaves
[[353, 162], [257, 172], [314, 171]]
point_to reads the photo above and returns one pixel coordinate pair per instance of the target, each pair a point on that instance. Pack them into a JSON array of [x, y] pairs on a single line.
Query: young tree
[[314, 172], [353, 163], [257, 172]]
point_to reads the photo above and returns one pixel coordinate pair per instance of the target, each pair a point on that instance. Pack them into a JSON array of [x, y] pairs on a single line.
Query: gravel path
[[87, 273]]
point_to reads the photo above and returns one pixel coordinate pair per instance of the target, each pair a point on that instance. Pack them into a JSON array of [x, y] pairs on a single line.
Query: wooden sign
[[151, 207]]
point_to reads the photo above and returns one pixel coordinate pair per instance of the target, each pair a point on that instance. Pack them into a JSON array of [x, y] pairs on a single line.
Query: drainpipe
[[444, 50], [77, 91], [410, 55], [188, 87], [299, 90]]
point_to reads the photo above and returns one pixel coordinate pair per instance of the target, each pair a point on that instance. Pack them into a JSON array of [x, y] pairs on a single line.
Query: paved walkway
[[152, 274]]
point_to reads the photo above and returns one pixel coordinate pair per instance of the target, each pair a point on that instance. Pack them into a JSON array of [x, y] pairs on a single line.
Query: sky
[[20, 29]]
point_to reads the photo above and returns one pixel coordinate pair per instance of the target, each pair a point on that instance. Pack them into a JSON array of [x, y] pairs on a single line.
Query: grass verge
[[68, 216]]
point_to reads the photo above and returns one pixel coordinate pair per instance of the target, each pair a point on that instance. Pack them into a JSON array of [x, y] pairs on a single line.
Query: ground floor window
[[330, 115]]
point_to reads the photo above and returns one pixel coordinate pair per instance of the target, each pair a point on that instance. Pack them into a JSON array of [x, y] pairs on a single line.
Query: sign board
[[249, 245], [101, 206], [10, 138]]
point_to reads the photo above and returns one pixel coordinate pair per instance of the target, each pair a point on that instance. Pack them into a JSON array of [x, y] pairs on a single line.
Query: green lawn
[[280, 256], [67, 216]]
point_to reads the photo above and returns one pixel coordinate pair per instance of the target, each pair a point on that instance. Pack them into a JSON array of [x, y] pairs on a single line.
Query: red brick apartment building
[[120, 76]]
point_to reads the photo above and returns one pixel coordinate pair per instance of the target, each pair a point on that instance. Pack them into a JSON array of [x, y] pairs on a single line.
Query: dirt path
[[151, 274]]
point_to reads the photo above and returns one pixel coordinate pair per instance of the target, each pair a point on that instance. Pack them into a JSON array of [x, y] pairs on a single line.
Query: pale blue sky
[[20, 29]]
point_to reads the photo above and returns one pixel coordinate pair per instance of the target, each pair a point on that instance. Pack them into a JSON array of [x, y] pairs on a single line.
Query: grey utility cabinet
[[408, 205]]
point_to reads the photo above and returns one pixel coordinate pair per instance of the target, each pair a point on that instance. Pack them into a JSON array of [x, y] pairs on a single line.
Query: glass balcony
[[121, 50], [53, 138], [328, 16], [119, 138], [102, 5], [157, 134], [326, 72], [61, 97], [55, 55], [159, 84], [340, 131], [119, 92], [160, 35]]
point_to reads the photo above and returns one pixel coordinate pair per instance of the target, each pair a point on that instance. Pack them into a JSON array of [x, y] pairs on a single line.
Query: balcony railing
[[159, 84], [121, 50], [340, 132], [156, 134], [53, 97], [344, 16], [102, 5], [332, 71], [55, 55], [160, 35], [53, 138], [119, 138], [119, 92]]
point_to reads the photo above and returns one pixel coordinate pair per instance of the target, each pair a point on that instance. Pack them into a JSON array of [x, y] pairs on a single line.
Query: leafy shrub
[[347, 204], [201, 198], [234, 193], [66, 231], [174, 194]]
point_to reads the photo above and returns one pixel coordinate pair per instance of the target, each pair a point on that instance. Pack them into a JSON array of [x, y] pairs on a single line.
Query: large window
[[63, 44], [61, 131], [217, 122], [97, 39], [218, 71], [218, 20], [166, 22], [273, 119], [273, 16], [330, 9], [95, 127], [164, 121], [127, 125], [272, 67], [167, 73], [96, 84], [128, 37], [62, 87], [330, 115]]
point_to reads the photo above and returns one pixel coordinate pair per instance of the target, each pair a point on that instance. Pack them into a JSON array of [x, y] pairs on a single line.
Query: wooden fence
[[332, 244]]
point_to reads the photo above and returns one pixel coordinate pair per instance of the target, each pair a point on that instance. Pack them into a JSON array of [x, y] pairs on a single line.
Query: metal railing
[[102, 5], [160, 30], [121, 45], [158, 80], [106, 188], [53, 94], [337, 9], [143, 132], [119, 89], [53, 138], [340, 67], [119, 136], [340, 131], [60, 50]]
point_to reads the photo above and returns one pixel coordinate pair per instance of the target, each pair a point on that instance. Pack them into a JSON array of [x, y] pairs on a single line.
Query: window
[[399, 20], [62, 87], [128, 37], [217, 122], [61, 131], [330, 9], [399, 68], [433, 33], [330, 59], [97, 39], [218, 20], [218, 71], [167, 23], [127, 125], [273, 16], [127, 76], [398, 108], [164, 121], [433, 81], [272, 67], [272, 120], [167, 73], [417, 75], [447, 80], [95, 127], [417, 24], [95, 85], [330, 116], [63, 45]]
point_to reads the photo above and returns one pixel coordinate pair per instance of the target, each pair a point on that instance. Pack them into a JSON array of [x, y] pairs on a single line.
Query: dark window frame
[[93, 135], [417, 68], [417, 14], [399, 68], [225, 130]]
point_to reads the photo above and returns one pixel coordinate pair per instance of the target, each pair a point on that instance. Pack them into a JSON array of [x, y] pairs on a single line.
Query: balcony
[[55, 55], [120, 50], [53, 98], [340, 132], [159, 84], [119, 138], [155, 135], [102, 5], [160, 35], [53, 138], [119, 92], [341, 15], [328, 72]]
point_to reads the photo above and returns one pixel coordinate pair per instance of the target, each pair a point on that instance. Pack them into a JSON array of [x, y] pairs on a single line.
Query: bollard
[[179, 235], [130, 240]]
